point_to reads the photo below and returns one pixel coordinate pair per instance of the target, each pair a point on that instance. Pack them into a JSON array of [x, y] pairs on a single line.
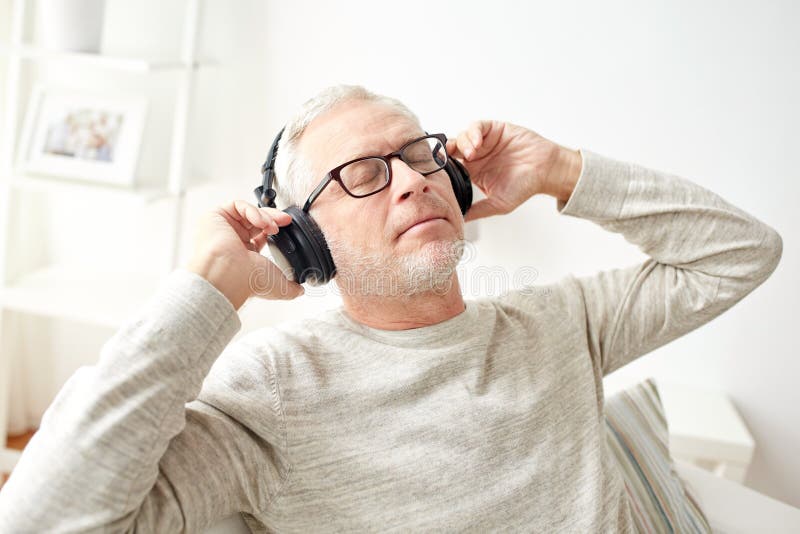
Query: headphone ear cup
[[462, 186], [302, 246], [282, 259]]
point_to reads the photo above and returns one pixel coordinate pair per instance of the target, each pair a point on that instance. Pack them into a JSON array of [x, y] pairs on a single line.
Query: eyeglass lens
[[366, 176]]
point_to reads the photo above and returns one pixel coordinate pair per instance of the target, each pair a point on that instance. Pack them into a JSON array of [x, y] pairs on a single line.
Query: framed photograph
[[85, 136]]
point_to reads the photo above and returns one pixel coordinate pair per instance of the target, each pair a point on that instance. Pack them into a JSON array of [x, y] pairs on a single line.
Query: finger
[[246, 234], [235, 213], [477, 131], [464, 144], [256, 219], [279, 216], [243, 233], [248, 214], [276, 218], [453, 151], [255, 216], [259, 241], [482, 208], [472, 138], [249, 221]]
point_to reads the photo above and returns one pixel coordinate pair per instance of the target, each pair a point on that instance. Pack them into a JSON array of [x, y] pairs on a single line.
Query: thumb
[[480, 209]]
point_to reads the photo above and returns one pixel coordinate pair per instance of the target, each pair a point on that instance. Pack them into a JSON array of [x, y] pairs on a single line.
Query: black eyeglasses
[[368, 175]]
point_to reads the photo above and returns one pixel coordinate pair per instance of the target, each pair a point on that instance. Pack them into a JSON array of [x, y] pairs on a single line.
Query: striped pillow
[[638, 437]]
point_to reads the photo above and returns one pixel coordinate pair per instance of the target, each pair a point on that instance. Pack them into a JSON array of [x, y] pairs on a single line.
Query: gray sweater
[[490, 420]]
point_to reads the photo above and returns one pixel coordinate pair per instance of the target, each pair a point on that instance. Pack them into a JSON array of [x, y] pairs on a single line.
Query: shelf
[[91, 296], [106, 295], [65, 187], [131, 64]]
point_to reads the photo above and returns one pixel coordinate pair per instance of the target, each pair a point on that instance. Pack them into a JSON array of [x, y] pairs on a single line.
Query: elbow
[[772, 250], [752, 270]]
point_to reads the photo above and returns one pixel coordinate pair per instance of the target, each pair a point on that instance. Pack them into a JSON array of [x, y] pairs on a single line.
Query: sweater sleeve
[[127, 446], [705, 255]]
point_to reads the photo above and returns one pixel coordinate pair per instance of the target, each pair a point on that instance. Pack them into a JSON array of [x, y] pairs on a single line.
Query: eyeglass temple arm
[[316, 192], [440, 145]]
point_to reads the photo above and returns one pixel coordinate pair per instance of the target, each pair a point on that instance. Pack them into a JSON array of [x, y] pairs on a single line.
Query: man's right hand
[[227, 250]]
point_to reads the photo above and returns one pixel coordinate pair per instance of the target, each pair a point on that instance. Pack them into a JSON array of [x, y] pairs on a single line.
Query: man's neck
[[405, 311]]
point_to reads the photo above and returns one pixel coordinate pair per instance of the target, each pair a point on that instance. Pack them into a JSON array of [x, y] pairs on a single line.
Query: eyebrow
[[365, 153]]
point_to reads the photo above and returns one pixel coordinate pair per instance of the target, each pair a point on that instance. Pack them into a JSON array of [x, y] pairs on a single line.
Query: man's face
[[376, 236]]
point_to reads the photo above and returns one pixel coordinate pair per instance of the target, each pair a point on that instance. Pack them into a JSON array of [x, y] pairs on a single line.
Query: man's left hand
[[510, 164]]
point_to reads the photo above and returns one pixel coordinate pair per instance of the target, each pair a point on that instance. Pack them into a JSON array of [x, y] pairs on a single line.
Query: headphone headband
[[265, 194]]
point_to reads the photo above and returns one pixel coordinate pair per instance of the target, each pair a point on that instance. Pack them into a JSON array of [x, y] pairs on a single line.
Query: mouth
[[426, 221]]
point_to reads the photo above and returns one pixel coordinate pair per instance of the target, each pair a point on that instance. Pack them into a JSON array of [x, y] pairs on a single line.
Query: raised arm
[[705, 254], [126, 445]]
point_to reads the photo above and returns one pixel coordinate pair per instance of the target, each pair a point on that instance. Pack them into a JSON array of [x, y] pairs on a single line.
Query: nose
[[406, 181]]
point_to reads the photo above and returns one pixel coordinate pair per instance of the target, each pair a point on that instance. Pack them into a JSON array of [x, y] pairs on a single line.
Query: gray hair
[[294, 179]]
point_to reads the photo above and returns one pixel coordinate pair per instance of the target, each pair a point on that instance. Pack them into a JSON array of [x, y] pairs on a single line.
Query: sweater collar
[[430, 336]]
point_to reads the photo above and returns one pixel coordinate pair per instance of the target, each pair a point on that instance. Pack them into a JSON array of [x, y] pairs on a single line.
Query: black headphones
[[300, 248]]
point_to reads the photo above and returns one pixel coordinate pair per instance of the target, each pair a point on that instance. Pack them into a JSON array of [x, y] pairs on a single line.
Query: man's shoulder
[[286, 334], [267, 351], [536, 298]]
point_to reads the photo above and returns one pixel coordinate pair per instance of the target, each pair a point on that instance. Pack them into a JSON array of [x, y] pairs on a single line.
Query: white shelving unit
[[66, 291], [132, 64]]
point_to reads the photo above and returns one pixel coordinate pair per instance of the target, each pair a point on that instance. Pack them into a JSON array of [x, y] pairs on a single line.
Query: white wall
[[706, 90]]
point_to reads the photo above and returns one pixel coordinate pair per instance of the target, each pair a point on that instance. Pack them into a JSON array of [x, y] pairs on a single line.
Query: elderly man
[[407, 408]]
